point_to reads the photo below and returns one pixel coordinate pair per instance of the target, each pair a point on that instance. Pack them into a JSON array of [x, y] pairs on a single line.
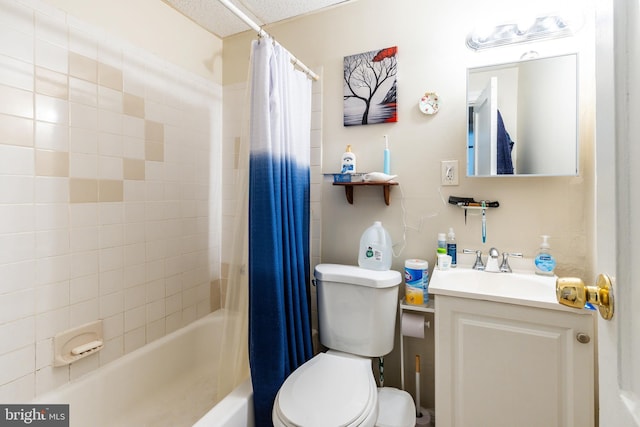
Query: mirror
[[523, 118]]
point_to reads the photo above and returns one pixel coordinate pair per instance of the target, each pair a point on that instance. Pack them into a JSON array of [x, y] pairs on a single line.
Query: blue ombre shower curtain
[[279, 315]]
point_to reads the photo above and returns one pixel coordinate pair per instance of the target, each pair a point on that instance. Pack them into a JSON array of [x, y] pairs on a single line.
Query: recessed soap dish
[[77, 343]]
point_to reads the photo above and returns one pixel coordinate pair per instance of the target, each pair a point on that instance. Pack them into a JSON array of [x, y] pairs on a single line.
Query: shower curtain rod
[[262, 33]]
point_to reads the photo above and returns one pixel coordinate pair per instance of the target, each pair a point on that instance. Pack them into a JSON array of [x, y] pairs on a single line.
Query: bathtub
[[168, 382]]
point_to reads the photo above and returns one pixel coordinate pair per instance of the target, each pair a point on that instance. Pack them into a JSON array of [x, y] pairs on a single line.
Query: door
[[485, 123], [618, 206]]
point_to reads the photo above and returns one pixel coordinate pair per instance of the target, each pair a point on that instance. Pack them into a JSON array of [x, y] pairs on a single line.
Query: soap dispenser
[[545, 262]]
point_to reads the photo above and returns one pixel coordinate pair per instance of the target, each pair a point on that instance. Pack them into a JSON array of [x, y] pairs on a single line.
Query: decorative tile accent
[[153, 131], [109, 76], [52, 163], [134, 169], [110, 190], [83, 68], [83, 190], [154, 151], [133, 105]]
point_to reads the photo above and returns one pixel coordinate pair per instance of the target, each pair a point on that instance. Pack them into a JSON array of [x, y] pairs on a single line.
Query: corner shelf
[[429, 307], [348, 189]]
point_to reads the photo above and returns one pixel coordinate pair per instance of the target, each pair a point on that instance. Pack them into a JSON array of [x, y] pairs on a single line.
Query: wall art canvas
[[370, 87]]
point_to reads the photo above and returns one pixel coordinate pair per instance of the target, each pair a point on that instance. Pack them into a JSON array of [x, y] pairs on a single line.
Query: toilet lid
[[328, 390]]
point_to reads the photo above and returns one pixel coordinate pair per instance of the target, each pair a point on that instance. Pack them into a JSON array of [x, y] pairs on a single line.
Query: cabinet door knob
[[583, 338]]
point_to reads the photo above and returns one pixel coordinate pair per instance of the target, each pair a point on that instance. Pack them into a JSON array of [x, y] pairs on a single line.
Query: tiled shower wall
[[109, 199]]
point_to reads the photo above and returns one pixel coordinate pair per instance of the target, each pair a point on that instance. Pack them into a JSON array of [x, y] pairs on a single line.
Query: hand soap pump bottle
[[348, 161], [545, 262]]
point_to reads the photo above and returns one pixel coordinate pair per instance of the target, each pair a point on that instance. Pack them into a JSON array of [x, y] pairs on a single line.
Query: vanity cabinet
[[500, 364]]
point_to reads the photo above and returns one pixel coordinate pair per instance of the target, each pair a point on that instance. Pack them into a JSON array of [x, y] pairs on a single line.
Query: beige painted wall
[[156, 27], [432, 56]]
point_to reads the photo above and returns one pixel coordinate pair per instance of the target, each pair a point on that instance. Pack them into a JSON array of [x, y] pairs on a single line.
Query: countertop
[[527, 289]]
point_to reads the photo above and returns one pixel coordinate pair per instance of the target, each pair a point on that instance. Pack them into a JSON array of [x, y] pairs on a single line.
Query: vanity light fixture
[[544, 27]]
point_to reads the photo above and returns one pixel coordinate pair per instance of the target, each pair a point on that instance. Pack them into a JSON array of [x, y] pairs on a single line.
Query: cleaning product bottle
[[442, 241], [544, 261], [348, 161], [452, 248], [375, 248], [386, 165]]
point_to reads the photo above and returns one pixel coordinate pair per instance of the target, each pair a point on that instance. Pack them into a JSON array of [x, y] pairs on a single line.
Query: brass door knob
[[572, 292]]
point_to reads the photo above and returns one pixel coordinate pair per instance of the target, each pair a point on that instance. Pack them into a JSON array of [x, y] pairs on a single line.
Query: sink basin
[[514, 288]]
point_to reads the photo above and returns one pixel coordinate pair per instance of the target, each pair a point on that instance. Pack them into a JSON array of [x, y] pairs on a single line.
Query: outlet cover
[[449, 172]]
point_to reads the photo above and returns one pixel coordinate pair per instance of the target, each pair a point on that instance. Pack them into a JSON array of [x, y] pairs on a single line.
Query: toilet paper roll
[[412, 325]]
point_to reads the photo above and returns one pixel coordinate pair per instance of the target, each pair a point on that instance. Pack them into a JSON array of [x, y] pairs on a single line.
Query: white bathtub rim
[[234, 410]]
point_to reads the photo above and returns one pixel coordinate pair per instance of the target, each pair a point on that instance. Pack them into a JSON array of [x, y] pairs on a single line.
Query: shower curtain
[[279, 314]]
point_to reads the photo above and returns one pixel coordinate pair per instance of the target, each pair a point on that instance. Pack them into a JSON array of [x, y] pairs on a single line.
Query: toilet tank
[[357, 308]]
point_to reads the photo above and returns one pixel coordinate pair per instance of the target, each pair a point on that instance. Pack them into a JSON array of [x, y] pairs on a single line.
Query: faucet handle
[[505, 267], [478, 265]]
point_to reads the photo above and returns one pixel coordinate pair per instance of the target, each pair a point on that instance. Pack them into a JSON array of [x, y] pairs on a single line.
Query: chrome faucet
[[505, 267], [492, 261], [478, 265]]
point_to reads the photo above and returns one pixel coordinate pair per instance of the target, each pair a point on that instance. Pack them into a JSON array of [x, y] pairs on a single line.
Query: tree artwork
[[370, 87]]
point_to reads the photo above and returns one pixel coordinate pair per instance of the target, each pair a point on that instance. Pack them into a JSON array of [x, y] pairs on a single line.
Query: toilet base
[[395, 408]]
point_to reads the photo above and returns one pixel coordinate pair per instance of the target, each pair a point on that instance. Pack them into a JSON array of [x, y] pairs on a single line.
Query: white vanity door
[[505, 365]]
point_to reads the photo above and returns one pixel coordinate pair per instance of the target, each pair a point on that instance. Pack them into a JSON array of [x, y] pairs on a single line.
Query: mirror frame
[[571, 150]]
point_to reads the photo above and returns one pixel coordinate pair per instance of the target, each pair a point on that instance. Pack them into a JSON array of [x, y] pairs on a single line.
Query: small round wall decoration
[[429, 103]]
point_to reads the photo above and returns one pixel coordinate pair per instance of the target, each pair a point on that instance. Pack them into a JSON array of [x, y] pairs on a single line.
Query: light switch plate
[[449, 172]]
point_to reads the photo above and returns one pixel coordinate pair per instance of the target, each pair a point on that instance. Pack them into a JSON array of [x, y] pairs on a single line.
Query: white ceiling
[[216, 18]]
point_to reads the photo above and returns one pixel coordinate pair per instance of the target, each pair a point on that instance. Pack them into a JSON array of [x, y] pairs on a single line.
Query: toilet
[[357, 312]]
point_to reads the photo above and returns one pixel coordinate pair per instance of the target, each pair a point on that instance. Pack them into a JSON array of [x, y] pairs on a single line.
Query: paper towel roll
[[412, 325]]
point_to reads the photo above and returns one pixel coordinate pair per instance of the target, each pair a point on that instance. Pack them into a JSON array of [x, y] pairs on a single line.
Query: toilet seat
[[331, 389]]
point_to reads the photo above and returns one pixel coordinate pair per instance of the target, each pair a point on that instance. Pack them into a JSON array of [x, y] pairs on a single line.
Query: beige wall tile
[[153, 131], [134, 169], [110, 190], [52, 163], [51, 83], [82, 67], [133, 105], [154, 151], [16, 131], [83, 190], [109, 76]]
